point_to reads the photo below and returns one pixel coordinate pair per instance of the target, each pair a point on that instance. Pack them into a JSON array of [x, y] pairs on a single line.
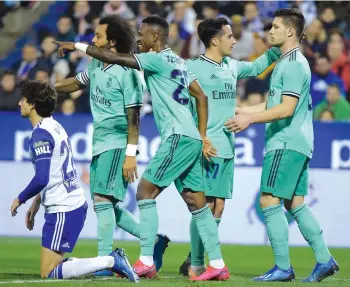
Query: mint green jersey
[[167, 80], [291, 77], [218, 80], [113, 89]]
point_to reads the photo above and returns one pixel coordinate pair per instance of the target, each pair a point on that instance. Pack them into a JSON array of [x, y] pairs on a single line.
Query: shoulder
[[41, 137]]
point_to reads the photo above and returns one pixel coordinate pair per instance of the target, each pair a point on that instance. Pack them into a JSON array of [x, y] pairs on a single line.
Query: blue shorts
[[61, 230]]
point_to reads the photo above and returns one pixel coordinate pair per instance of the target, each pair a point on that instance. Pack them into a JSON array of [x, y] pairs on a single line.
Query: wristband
[[131, 150], [81, 47]]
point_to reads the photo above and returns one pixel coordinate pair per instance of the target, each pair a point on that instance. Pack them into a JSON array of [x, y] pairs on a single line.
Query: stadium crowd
[[325, 44]]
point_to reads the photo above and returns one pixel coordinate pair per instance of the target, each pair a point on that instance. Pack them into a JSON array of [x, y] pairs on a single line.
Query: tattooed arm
[[69, 85]]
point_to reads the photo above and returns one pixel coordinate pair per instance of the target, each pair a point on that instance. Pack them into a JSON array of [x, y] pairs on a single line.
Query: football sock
[[126, 221], [149, 223], [79, 267], [208, 233], [312, 232], [105, 227], [197, 248], [277, 231]]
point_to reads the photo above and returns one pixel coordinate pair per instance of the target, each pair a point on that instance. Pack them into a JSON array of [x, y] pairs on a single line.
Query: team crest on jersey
[[93, 75], [109, 82]]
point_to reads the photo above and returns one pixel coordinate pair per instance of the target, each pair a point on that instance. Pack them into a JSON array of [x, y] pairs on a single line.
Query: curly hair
[[209, 28], [119, 30], [42, 96]]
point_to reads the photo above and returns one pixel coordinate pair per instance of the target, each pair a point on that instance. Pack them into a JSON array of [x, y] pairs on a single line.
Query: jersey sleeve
[[255, 68], [133, 89], [41, 145], [293, 80], [84, 76], [191, 77], [151, 62]]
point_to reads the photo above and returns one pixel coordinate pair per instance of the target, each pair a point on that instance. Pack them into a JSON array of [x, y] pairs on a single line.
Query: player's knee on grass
[[49, 260], [296, 201], [267, 199], [147, 190], [194, 200]]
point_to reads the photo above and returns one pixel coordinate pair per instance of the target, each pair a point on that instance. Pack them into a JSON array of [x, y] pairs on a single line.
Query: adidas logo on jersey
[[100, 185], [66, 245], [149, 171], [213, 77]]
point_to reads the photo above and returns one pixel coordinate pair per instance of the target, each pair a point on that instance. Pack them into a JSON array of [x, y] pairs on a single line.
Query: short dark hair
[[42, 95], [334, 85], [324, 56], [211, 4], [7, 73], [120, 31], [293, 17], [209, 28], [158, 21]]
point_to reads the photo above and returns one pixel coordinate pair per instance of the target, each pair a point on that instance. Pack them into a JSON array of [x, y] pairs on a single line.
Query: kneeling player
[[54, 185]]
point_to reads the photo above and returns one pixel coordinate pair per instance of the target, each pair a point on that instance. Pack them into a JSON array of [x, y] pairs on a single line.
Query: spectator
[[30, 63], [82, 18], [244, 39], [252, 21], [147, 8], [68, 107], [253, 99], [10, 94], [119, 8], [315, 40], [268, 8], [42, 75], [308, 9], [211, 10], [174, 41], [65, 31], [339, 58], [196, 46], [339, 106], [329, 19], [322, 78], [326, 116]]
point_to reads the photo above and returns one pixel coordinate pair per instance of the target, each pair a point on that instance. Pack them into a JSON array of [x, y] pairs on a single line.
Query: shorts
[[61, 230], [178, 160], [106, 174], [285, 173], [219, 177]]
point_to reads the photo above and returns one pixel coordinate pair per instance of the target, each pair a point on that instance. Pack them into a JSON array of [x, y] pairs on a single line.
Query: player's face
[[25, 107], [226, 41], [279, 32], [100, 39], [146, 38]]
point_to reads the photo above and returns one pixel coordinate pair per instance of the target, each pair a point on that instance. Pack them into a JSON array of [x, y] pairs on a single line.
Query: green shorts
[[178, 160], [106, 174], [219, 177], [285, 173]]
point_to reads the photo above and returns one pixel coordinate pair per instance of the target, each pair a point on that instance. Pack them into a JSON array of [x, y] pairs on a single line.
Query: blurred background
[[26, 52]]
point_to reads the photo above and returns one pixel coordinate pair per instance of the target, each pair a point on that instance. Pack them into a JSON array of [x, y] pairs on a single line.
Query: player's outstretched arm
[[255, 68], [69, 85], [104, 55], [283, 110], [202, 110]]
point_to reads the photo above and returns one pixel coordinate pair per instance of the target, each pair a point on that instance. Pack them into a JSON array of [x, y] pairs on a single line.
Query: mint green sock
[[312, 232], [208, 232], [197, 247], [105, 227], [126, 221], [149, 223], [277, 230]]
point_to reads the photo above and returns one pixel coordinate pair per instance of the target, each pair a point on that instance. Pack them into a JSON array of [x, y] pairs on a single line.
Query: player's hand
[[130, 169], [64, 47], [14, 206], [32, 211], [239, 123], [208, 149]]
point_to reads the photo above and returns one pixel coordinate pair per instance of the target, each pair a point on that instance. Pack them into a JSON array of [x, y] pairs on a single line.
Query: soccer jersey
[[167, 80], [291, 77], [218, 81], [49, 141], [113, 89]]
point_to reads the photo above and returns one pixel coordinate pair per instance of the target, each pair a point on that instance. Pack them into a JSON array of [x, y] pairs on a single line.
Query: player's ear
[[155, 37], [290, 32], [215, 41]]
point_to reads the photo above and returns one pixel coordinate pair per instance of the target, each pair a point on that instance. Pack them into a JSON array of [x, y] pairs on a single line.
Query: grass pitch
[[20, 263]]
